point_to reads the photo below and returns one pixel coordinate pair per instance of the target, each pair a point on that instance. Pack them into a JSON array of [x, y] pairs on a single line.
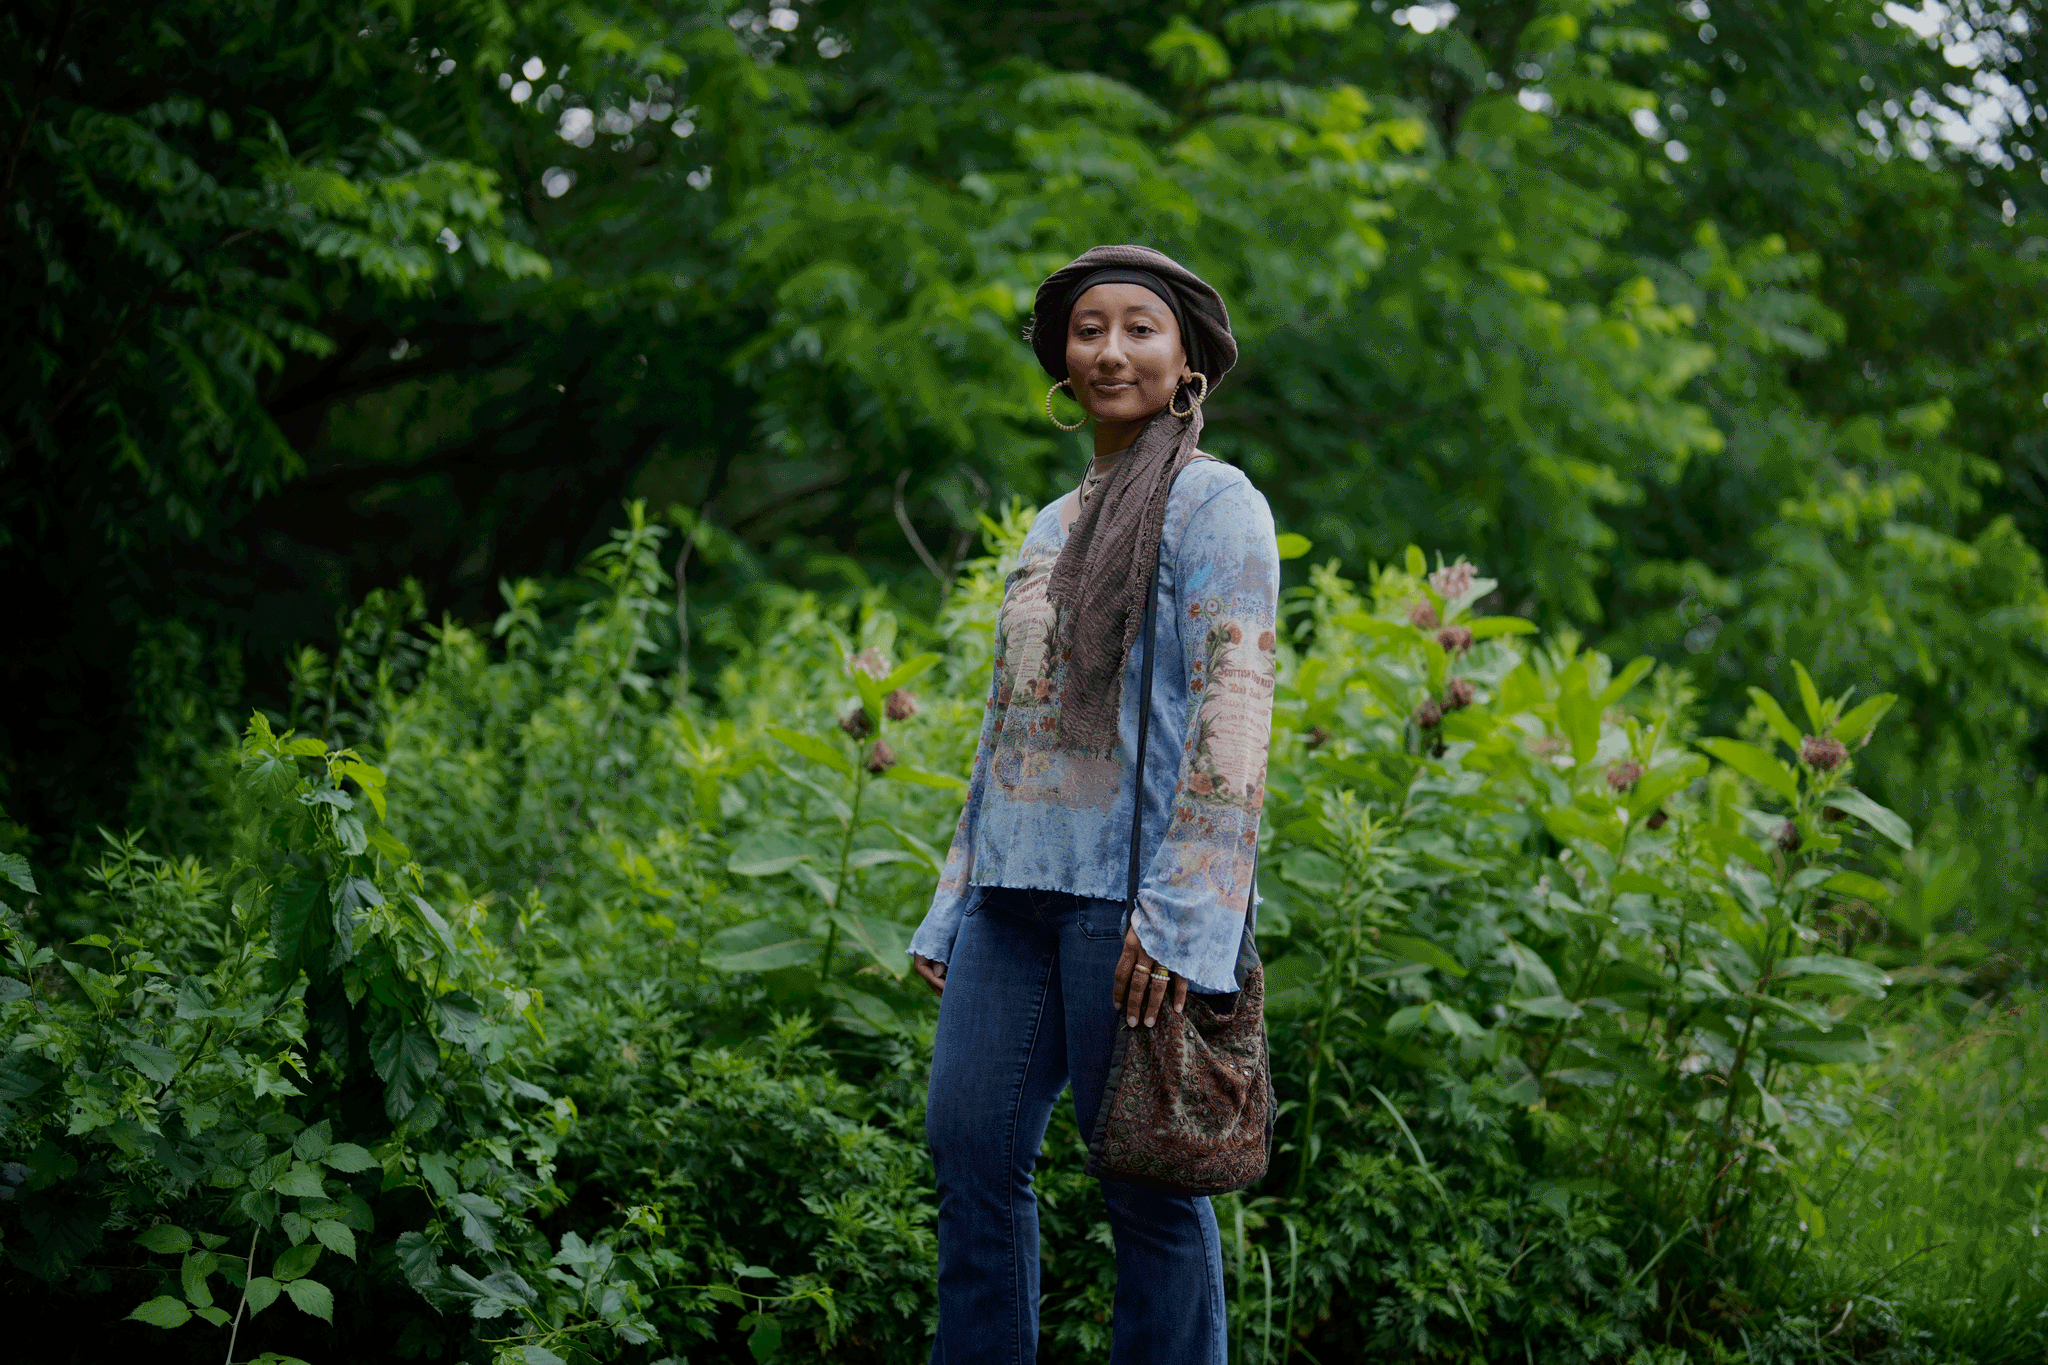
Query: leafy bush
[[1565, 999]]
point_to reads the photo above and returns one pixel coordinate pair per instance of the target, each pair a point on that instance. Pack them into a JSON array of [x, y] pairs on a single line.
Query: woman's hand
[[1142, 984], [934, 973]]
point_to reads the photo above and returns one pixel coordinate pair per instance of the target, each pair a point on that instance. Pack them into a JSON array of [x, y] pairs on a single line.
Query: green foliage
[[1572, 1007]]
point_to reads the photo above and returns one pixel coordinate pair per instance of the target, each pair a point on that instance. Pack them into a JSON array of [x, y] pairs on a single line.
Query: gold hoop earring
[[1068, 385], [1195, 402]]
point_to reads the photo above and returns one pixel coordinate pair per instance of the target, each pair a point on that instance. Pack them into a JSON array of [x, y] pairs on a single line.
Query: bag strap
[[1251, 906]]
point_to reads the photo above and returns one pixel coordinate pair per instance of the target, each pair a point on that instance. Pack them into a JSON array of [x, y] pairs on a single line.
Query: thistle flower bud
[[1822, 753], [1317, 737], [1422, 616], [856, 722], [1788, 837], [1455, 639], [881, 758], [1658, 819], [1624, 774], [900, 705], [1457, 694], [870, 662], [1437, 749], [1428, 715], [1833, 813]]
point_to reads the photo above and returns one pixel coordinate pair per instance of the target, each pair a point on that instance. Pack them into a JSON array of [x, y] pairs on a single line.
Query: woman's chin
[[1125, 411]]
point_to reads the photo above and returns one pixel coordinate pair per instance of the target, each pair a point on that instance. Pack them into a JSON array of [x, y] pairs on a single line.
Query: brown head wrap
[[1098, 583]]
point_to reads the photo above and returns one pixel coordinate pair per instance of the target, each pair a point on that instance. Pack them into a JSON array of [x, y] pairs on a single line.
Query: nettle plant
[[1502, 861]]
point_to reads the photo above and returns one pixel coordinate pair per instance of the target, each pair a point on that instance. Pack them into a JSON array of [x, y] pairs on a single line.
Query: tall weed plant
[[538, 993]]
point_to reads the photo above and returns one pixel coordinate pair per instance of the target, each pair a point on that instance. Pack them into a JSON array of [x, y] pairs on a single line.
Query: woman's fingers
[[1126, 965], [1156, 997], [1180, 995], [934, 973]]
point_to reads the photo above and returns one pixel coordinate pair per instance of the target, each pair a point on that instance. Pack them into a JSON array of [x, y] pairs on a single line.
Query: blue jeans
[[1026, 1008]]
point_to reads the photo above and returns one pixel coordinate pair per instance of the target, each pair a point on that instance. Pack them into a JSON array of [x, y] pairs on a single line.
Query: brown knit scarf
[[1098, 583]]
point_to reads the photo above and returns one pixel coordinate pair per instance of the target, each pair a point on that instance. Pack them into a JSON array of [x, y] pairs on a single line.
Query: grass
[[1929, 1221]]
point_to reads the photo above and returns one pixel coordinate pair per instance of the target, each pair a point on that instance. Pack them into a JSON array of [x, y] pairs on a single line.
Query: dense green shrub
[[589, 993]]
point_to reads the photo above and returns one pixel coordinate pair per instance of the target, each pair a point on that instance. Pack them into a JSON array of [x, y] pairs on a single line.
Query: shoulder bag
[[1188, 1106]]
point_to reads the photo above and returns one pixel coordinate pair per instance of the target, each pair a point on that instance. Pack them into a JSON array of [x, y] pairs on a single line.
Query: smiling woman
[[1089, 892]]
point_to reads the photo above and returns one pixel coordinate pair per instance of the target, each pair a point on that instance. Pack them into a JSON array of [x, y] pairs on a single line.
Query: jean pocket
[[975, 897], [1102, 919]]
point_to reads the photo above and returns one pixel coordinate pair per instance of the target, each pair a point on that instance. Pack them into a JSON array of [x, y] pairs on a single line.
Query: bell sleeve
[[1192, 896]]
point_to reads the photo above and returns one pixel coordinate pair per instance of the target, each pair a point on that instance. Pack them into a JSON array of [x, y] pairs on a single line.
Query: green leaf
[[313, 1298], [767, 852], [1488, 627], [299, 1181], [759, 946], [162, 1311], [1578, 716], [1735, 843], [815, 749], [1856, 884], [870, 857], [920, 777], [1615, 690], [1293, 546], [1775, 717], [336, 1236], [725, 1293], [1547, 1007], [1862, 719], [1403, 948], [906, 673], [1586, 1078], [766, 1339], [294, 1262], [160, 1064], [192, 1277], [1418, 567], [1843, 1043], [1809, 695], [1756, 765], [1640, 884], [261, 1292], [347, 1157], [1847, 974], [15, 869], [1885, 822], [167, 1239]]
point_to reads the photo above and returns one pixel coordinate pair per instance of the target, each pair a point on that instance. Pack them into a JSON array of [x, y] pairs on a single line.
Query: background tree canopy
[[1721, 328]]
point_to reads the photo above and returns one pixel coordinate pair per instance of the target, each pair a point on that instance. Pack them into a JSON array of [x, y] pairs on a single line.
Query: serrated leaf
[[1775, 717], [725, 1293], [766, 1340], [312, 1142], [1756, 765], [15, 869], [815, 749], [261, 1292], [347, 1157], [167, 1239], [479, 1216], [162, 1311], [192, 1275], [336, 1237], [420, 1259], [1884, 821], [300, 1182], [294, 1262], [160, 1064], [312, 1297]]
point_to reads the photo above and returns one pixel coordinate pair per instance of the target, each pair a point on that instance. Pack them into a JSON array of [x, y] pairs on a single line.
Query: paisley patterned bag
[[1188, 1105]]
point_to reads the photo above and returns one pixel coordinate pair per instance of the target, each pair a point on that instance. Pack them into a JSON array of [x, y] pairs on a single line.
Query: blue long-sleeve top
[[1038, 816]]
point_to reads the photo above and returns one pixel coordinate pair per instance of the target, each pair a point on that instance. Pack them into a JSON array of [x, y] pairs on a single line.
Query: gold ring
[[1158, 975]]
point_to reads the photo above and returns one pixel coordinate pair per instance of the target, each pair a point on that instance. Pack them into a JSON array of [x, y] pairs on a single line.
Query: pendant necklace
[[1093, 478]]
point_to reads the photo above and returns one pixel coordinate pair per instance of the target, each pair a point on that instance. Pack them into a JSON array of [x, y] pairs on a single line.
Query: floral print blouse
[[1038, 816]]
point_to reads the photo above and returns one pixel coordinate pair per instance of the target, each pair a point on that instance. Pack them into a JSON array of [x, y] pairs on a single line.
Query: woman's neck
[[1114, 438]]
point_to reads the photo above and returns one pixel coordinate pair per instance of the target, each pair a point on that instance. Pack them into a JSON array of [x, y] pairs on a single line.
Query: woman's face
[[1124, 353]]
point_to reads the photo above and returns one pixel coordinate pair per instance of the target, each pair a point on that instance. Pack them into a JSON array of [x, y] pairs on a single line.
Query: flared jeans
[[1026, 1010]]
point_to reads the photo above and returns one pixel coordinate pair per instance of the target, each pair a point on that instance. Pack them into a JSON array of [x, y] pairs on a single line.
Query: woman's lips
[[1112, 385]]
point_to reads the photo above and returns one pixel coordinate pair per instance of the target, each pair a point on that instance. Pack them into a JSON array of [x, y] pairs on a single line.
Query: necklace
[[1091, 480]]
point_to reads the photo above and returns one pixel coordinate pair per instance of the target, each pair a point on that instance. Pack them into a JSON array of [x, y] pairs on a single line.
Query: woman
[[1027, 939]]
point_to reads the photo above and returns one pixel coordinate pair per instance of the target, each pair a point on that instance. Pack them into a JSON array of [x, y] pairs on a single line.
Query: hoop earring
[[1195, 402], [1068, 385]]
